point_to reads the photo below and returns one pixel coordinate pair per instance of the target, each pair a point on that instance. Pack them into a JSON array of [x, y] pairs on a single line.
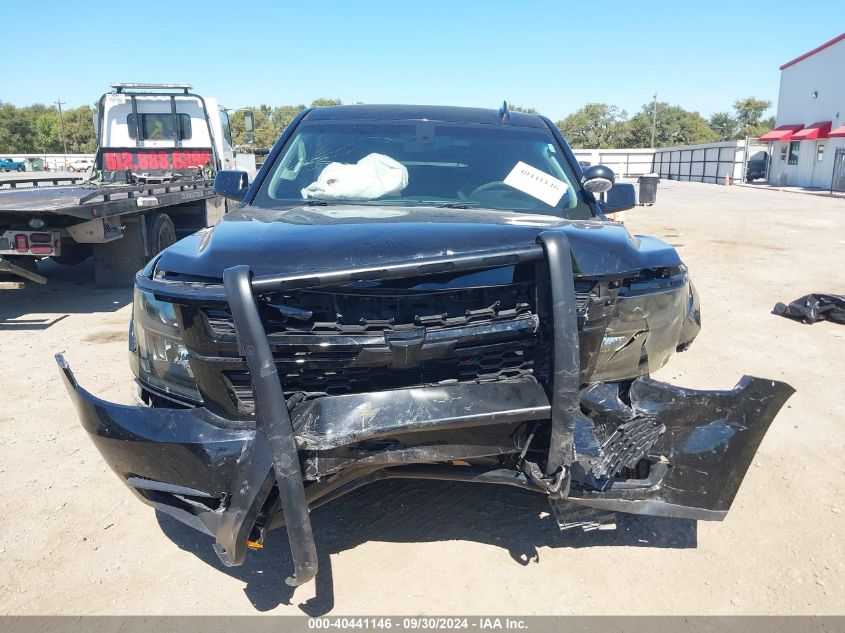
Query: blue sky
[[555, 55]]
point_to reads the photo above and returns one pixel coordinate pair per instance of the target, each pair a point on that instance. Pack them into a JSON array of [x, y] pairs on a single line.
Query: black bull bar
[[273, 422], [710, 437]]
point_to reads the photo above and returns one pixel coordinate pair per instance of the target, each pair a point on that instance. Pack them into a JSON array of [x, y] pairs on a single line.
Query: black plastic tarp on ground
[[814, 307]]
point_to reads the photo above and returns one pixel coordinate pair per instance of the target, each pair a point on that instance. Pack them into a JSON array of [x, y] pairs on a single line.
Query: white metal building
[[811, 120]]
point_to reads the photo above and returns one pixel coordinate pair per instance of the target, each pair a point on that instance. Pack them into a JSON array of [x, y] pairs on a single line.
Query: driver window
[[227, 130]]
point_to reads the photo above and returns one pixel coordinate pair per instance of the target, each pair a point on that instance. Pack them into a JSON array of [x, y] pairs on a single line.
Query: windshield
[[458, 165]]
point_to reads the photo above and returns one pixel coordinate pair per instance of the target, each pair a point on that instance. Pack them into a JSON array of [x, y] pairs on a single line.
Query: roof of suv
[[422, 113]]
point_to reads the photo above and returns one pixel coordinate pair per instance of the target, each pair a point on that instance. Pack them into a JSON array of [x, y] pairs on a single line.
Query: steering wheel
[[570, 200], [493, 186]]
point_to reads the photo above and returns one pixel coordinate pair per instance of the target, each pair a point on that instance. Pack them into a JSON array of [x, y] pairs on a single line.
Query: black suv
[[418, 292]]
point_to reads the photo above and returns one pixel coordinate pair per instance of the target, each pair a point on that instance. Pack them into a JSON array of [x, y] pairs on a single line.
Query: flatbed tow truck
[[159, 146]]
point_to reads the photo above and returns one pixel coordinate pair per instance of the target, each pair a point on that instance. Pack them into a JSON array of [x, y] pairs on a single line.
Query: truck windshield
[[159, 127], [459, 165]]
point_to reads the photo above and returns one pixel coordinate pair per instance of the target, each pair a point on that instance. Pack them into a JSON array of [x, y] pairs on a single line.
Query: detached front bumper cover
[[218, 478]]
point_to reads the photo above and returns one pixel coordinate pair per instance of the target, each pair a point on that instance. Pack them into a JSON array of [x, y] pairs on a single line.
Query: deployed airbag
[[372, 177]]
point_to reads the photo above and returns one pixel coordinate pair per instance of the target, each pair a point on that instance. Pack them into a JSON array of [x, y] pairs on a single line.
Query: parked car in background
[[7, 164], [81, 164], [756, 166]]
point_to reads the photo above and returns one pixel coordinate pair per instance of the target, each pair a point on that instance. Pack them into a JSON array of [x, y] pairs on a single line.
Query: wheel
[[3, 170], [20, 168], [496, 185], [115, 263], [161, 232]]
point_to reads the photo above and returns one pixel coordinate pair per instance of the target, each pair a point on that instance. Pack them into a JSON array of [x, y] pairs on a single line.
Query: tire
[[115, 263], [161, 232], [2, 170]]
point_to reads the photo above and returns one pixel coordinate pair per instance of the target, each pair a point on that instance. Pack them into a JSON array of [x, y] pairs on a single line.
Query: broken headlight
[[161, 358]]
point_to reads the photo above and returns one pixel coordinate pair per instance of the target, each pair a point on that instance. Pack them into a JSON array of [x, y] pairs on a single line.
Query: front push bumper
[[192, 465], [228, 478]]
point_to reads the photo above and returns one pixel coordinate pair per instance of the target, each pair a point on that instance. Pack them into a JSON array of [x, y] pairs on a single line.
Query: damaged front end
[[268, 395]]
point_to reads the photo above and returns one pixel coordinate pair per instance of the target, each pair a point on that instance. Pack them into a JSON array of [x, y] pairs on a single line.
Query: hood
[[316, 238]]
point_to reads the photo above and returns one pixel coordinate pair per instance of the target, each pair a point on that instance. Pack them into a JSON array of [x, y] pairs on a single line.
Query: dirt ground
[[73, 540]]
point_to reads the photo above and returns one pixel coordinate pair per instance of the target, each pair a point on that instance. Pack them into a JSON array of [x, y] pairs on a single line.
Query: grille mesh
[[483, 365]]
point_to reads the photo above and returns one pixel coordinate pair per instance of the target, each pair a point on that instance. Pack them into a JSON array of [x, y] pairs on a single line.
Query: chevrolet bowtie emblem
[[406, 346]]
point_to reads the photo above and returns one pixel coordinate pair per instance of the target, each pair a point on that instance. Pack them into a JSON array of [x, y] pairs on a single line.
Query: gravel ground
[[73, 540]]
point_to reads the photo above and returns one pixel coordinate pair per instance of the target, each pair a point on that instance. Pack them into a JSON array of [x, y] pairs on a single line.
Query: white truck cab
[[159, 147], [155, 128]]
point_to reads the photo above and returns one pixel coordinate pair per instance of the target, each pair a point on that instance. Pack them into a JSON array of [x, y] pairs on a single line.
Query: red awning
[[812, 132], [840, 131], [782, 133]]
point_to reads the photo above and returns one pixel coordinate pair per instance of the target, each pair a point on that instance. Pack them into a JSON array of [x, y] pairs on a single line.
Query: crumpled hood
[[315, 238]]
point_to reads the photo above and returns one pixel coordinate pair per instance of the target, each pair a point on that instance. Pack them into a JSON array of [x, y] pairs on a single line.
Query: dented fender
[[706, 439]]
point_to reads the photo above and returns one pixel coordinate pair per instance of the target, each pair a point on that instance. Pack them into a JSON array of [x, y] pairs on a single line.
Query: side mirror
[[622, 197], [231, 184], [597, 179], [249, 121]]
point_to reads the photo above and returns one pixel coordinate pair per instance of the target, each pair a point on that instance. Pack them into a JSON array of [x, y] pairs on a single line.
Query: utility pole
[[60, 103], [653, 118]]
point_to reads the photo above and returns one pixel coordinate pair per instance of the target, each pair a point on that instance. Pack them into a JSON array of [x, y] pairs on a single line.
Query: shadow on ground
[[421, 512], [69, 290]]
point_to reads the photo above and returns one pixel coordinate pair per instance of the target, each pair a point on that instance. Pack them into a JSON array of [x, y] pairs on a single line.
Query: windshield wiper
[[456, 205]]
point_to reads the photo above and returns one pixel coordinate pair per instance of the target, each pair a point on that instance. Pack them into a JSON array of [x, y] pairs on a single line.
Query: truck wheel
[[115, 263], [161, 232], [73, 254]]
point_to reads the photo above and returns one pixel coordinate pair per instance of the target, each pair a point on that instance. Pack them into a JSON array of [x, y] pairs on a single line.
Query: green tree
[[749, 114], [79, 130], [36, 129], [270, 122], [594, 126], [47, 133], [325, 102], [512, 107], [675, 126], [17, 128], [283, 115], [725, 125]]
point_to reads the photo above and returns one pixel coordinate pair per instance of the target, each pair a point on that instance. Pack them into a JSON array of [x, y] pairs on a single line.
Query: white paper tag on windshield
[[536, 183]]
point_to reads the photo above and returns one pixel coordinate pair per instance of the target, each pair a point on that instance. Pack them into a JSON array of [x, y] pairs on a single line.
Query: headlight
[[162, 358]]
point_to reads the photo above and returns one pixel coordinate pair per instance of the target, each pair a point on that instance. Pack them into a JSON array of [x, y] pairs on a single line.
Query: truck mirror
[[598, 179], [231, 184], [249, 121], [249, 138], [621, 197]]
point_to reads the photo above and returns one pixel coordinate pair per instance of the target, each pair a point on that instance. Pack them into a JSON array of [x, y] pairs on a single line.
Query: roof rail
[[120, 87]]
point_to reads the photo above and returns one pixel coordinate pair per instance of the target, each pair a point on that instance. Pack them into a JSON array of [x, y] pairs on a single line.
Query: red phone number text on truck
[[139, 161]]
